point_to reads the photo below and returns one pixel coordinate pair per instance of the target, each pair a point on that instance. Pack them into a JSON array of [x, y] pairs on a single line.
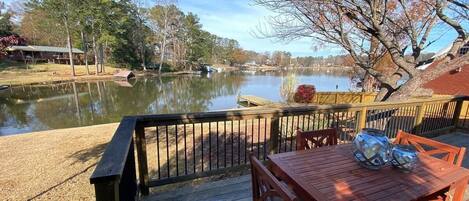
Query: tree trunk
[[163, 47], [407, 90], [101, 58], [85, 50], [95, 50], [70, 47], [142, 53]]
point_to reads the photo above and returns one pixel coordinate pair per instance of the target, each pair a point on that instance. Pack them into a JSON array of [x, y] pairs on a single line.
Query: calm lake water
[[36, 108]]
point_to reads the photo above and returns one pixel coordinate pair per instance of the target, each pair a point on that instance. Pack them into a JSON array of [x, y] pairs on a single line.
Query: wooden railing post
[[361, 119], [107, 191], [457, 112], [420, 111], [142, 158], [274, 134]]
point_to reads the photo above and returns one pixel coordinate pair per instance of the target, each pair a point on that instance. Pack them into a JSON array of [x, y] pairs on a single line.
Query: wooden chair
[[451, 154], [317, 138], [265, 187], [454, 155]]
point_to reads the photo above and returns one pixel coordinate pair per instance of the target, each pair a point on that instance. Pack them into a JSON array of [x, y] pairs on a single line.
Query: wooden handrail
[[281, 110], [119, 155]]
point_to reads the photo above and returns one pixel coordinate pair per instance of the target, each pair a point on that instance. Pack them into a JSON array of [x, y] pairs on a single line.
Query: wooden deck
[[252, 101], [239, 188]]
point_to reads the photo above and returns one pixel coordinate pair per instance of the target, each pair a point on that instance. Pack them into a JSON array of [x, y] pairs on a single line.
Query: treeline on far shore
[[127, 34]]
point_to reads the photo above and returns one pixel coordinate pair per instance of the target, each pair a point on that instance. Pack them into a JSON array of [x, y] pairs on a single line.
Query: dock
[[4, 87], [253, 101]]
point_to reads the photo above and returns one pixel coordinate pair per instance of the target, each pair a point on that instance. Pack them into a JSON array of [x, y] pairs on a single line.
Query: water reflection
[[25, 109]]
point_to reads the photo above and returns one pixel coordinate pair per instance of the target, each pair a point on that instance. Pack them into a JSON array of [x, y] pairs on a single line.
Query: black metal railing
[[177, 147]]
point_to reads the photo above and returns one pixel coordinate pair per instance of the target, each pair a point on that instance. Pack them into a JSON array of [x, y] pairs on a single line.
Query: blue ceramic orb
[[372, 148], [404, 157]]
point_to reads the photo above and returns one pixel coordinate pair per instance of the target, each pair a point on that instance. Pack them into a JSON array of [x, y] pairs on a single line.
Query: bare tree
[[140, 13], [368, 30], [161, 22]]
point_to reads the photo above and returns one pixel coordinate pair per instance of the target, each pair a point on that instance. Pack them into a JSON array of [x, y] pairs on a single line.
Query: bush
[[304, 93]]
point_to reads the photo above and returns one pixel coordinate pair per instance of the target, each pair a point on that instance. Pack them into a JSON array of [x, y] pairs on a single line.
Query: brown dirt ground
[[52, 165]]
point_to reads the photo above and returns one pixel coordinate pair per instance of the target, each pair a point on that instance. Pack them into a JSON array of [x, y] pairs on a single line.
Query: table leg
[[459, 189]]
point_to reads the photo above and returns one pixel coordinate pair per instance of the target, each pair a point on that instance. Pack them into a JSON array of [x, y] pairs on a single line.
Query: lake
[[36, 108]]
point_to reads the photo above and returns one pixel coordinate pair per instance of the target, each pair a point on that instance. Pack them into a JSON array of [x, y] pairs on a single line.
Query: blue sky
[[237, 19]]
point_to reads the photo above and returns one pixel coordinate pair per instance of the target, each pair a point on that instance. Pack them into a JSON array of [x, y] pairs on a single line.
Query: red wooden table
[[331, 173]]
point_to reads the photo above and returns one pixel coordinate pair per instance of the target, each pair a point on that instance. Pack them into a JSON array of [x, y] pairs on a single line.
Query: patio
[[178, 155], [239, 188]]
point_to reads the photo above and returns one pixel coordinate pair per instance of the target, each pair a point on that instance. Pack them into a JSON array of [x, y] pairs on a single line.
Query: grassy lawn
[[17, 73]]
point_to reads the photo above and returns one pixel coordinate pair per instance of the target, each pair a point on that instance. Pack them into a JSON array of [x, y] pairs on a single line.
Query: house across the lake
[[50, 54]]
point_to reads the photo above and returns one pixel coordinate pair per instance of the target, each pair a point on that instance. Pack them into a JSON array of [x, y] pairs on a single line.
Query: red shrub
[[304, 93], [8, 41]]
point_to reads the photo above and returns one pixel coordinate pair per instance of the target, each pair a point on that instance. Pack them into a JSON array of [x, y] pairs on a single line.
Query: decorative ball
[[372, 148], [404, 157], [304, 93]]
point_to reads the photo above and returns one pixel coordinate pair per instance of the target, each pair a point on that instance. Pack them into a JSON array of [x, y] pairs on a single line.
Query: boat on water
[[3, 87]]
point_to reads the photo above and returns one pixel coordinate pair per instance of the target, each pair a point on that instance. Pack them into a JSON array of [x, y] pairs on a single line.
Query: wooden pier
[[253, 101]]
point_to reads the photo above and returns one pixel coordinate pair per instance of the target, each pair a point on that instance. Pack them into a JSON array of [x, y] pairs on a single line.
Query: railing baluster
[[185, 150], [210, 145], [224, 143], [280, 133], [245, 140], [177, 150], [202, 145], [239, 142], [258, 136], [218, 149], [167, 152], [193, 148], [265, 139], [232, 144], [286, 136], [292, 131], [158, 152], [252, 135]]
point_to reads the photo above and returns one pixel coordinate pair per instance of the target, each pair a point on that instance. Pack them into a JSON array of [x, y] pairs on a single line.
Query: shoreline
[[46, 74]]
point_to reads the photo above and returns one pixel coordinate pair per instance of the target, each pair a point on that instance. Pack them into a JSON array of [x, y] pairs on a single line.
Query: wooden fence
[[178, 147], [324, 98]]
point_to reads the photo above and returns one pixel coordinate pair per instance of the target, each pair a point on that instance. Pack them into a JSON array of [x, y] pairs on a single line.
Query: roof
[[451, 83], [34, 48], [442, 52], [124, 74]]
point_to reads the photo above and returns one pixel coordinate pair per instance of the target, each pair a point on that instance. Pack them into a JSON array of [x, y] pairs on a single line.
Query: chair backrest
[[316, 138], [265, 187], [452, 154]]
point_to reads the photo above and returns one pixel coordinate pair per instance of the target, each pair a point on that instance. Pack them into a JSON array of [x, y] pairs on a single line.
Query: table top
[[331, 173]]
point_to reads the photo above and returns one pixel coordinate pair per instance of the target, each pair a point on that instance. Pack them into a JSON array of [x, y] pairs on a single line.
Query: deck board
[[239, 188], [250, 100]]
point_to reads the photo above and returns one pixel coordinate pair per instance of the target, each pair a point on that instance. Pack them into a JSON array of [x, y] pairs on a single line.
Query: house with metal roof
[[50, 54]]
